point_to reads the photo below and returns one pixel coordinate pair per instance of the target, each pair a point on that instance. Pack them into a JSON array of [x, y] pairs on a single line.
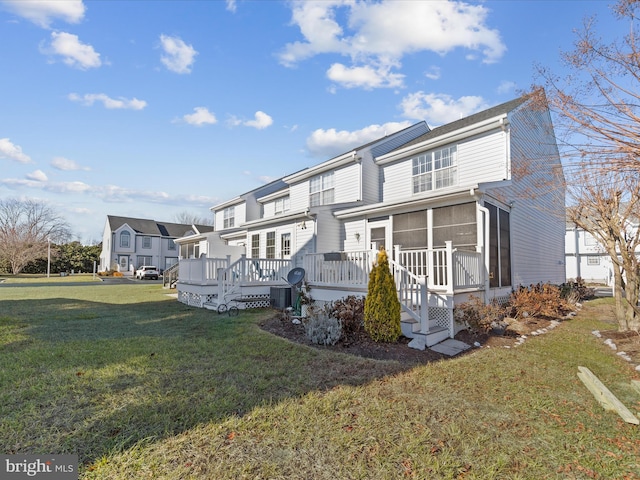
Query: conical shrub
[[381, 306]]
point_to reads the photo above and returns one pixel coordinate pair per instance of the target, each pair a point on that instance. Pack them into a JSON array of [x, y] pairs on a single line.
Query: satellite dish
[[295, 276]]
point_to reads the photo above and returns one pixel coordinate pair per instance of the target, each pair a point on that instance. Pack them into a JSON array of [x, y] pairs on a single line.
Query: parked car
[[147, 271]]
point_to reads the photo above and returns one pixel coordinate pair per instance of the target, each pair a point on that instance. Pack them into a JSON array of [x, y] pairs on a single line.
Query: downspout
[[485, 227]]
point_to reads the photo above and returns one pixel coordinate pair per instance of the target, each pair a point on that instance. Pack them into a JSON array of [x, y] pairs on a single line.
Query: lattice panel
[[440, 316]]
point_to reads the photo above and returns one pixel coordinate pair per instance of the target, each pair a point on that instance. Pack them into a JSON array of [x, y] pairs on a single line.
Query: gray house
[[129, 243]]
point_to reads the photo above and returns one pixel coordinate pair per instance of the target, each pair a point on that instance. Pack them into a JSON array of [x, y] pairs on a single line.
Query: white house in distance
[[453, 206], [129, 243]]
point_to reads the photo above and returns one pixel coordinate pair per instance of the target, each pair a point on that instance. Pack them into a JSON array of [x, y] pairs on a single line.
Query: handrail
[[412, 293], [252, 270], [170, 275], [339, 268]]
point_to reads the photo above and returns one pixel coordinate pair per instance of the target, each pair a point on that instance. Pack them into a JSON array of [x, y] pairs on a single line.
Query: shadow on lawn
[[108, 376]]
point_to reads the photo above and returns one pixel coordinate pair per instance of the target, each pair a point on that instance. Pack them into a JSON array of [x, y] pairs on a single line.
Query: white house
[[129, 243], [458, 207]]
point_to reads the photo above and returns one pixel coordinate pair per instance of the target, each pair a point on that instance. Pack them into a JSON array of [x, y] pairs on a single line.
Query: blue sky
[[152, 108]]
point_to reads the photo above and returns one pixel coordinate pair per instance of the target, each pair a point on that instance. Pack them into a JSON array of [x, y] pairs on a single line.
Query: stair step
[[424, 340]]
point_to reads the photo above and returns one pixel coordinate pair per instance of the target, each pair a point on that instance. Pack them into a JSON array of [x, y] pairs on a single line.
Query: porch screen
[[410, 230], [378, 237], [499, 247], [456, 223]]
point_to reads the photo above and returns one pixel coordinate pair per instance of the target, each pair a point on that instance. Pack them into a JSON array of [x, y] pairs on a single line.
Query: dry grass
[[148, 388]]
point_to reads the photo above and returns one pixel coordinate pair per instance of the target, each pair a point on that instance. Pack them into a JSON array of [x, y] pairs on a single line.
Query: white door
[[378, 233]]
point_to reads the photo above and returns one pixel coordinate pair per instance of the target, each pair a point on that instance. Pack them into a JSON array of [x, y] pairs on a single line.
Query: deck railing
[[201, 271], [468, 269], [339, 268]]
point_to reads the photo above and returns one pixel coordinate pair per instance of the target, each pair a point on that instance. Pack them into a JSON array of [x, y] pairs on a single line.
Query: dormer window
[[435, 170], [229, 216], [282, 205], [125, 239], [321, 191]]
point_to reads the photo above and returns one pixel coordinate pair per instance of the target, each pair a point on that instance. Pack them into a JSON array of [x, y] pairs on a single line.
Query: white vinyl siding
[[479, 159], [538, 236], [239, 216]]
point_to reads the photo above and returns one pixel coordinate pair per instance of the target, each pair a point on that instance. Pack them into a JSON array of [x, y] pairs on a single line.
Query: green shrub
[[381, 306]]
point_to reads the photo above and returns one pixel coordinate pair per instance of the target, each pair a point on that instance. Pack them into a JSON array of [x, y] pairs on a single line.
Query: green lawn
[[52, 278], [140, 386]]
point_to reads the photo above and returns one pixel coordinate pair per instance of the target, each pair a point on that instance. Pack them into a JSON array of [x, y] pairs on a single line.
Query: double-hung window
[[229, 217], [125, 239], [285, 245], [255, 245], [434, 170], [271, 245], [281, 205], [146, 242], [321, 190]]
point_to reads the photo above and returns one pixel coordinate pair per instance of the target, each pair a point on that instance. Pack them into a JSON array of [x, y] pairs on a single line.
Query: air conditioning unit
[[280, 297]]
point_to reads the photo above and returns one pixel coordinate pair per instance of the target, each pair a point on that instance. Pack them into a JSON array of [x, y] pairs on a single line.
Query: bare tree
[[596, 111], [188, 218], [27, 227], [605, 205]]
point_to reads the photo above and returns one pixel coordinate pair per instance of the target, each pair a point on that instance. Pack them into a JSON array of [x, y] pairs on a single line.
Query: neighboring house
[[129, 243], [459, 208], [586, 258]]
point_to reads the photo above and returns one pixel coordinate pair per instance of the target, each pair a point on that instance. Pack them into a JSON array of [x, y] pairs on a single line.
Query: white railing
[[431, 263], [339, 268], [251, 271], [412, 293], [201, 271], [468, 269]]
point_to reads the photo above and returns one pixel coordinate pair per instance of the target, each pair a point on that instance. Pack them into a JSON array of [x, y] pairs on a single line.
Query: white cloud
[[331, 142], [44, 12], [377, 35], [62, 163], [438, 109], [38, 176], [261, 121], [12, 151], [231, 6], [74, 53], [178, 56], [506, 87], [433, 73], [201, 116], [367, 77], [111, 103]]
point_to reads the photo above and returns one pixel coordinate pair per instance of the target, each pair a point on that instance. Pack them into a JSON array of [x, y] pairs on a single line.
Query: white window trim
[[428, 173]]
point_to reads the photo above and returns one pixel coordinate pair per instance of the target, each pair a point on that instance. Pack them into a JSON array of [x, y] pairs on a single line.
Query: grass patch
[[53, 278], [140, 386]]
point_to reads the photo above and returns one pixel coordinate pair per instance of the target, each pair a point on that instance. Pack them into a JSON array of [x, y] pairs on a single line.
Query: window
[[435, 170], [229, 217], [146, 260], [321, 190], [285, 245], [146, 242], [255, 245], [593, 260], [125, 239], [589, 240], [271, 244], [282, 205], [172, 245]]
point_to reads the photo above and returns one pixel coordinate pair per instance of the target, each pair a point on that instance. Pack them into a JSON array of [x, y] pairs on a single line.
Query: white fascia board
[[234, 234], [465, 132], [323, 167], [228, 203], [188, 239], [277, 219], [273, 196], [386, 207]]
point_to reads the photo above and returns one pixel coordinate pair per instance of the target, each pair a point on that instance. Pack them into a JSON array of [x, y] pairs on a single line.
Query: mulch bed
[[362, 345]]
